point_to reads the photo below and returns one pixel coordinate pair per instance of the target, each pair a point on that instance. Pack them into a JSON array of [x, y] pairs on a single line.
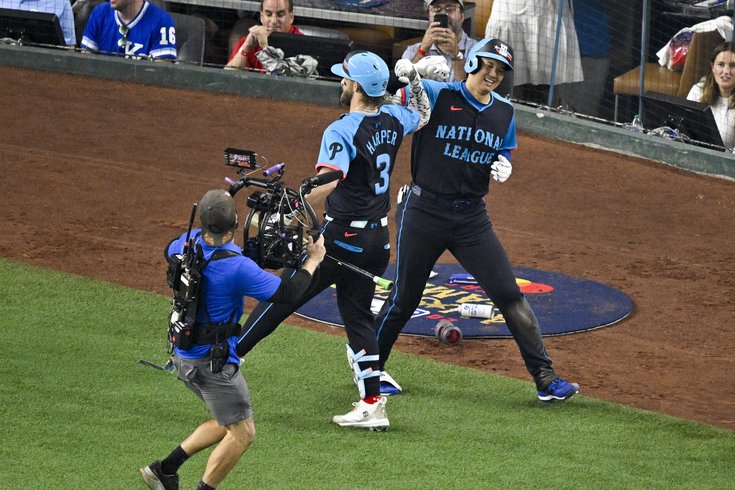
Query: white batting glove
[[433, 68], [402, 193], [501, 169], [405, 71]]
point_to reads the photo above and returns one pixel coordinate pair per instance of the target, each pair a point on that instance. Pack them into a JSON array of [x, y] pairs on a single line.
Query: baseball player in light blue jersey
[[133, 28], [362, 146]]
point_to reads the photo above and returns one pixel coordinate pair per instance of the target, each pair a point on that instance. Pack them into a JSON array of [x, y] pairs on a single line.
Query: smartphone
[[442, 19]]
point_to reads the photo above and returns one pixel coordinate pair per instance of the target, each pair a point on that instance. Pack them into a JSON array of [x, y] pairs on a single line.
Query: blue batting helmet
[[366, 68], [489, 48]]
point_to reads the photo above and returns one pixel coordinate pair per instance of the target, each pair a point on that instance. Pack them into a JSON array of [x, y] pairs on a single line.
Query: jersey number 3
[[382, 163]]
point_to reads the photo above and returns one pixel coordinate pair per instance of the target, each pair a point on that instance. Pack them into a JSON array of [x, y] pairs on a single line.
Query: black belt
[[457, 202], [360, 223], [211, 333]]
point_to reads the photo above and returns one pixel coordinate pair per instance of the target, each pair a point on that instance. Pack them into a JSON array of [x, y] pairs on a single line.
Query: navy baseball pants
[[427, 226], [367, 248]]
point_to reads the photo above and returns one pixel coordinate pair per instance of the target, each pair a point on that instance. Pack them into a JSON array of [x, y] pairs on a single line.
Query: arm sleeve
[[335, 151], [695, 93], [163, 42], [291, 288], [237, 48], [91, 30], [419, 100], [410, 52], [67, 24], [509, 142]]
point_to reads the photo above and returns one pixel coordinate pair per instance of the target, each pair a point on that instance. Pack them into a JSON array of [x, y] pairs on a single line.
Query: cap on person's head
[[218, 216], [366, 68], [428, 3], [489, 48]]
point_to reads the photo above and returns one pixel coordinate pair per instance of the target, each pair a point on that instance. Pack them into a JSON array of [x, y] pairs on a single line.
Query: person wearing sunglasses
[[444, 37], [131, 28]]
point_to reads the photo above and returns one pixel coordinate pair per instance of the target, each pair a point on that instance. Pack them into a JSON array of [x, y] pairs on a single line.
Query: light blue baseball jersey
[[364, 148], [151, 34]]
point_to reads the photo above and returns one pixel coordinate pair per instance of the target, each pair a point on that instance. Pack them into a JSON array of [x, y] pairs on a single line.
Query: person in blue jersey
[[362, 146], [227, 277], [466, 143], [131, 28]]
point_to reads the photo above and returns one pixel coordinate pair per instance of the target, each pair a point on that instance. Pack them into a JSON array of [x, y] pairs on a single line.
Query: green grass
[[78, 412]]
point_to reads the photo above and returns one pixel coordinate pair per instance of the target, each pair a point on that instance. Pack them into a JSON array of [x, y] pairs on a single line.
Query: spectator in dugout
[[451, 41], [275, 16], [62, 9], [133, 28], [717, 90]]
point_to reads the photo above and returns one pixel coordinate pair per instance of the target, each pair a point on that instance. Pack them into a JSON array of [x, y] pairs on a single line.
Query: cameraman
[[226, 278]]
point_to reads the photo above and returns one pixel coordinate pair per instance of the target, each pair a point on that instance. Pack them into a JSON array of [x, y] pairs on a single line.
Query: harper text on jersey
[[379, 137]]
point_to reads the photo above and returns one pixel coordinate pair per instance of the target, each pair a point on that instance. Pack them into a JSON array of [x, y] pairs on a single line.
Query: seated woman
[[718, 91]]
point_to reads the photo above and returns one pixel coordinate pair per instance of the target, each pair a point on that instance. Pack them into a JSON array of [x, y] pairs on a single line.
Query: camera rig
[[281, 215], [275, 228]]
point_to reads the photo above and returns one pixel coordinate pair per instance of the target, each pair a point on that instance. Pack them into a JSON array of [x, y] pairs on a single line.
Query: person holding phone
[[444, 37]]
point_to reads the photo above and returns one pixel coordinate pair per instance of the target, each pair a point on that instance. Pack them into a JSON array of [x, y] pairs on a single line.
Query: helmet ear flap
[[473, 61]]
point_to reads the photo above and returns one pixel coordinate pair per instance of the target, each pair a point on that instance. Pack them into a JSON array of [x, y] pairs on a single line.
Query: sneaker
[[371, 416], [156, 480], [559, 389], [388, 385]]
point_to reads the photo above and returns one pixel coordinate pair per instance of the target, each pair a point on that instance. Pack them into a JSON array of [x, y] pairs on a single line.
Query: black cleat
[[157, 480]]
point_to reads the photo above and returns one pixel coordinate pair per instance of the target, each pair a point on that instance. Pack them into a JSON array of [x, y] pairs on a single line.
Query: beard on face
[[345, 95]]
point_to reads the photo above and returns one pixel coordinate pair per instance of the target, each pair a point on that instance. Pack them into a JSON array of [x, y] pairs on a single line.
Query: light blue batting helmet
[[366, 68], [489, 48]]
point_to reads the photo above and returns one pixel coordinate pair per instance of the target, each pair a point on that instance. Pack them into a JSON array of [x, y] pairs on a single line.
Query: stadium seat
[[662, 80], [190, 38]]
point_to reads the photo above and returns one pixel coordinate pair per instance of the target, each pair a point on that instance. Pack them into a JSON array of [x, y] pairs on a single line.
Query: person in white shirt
[[62, 9], [717, 90]]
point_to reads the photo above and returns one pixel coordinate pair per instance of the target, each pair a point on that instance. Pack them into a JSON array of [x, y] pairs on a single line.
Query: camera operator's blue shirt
[[225, 283]]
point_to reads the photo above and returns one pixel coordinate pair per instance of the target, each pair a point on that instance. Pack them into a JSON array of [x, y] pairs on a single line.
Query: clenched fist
[[501, 169]]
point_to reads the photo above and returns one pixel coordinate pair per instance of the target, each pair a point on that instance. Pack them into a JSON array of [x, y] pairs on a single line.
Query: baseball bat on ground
[[382, 282]]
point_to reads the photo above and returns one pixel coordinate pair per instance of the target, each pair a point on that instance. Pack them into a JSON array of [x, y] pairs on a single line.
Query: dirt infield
[[98, 175]]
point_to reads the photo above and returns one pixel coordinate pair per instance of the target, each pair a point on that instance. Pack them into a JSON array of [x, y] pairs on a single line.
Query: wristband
[[422, 52]]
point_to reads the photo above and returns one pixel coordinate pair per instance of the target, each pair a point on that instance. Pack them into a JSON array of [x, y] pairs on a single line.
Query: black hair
[[290, 5]]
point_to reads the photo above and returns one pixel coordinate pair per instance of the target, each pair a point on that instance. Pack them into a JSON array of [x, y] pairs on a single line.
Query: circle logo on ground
[[563, 304]]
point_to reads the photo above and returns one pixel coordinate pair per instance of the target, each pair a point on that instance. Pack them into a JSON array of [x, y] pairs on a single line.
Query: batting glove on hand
[[405, 71], [501, 169], [402, 193], [433, 68]]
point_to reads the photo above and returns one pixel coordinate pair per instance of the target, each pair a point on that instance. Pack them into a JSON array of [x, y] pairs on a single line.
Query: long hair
[[711, 91]]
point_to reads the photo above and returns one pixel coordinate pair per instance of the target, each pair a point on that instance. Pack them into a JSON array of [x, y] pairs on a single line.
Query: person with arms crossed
[[275, 16], [361, 146], [136, 28], [466, 142], [450, 41], [62, 9], [227, 278], [717, 90]]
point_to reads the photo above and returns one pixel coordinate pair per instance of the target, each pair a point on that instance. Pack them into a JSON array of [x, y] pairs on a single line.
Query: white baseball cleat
[[365, 415]]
